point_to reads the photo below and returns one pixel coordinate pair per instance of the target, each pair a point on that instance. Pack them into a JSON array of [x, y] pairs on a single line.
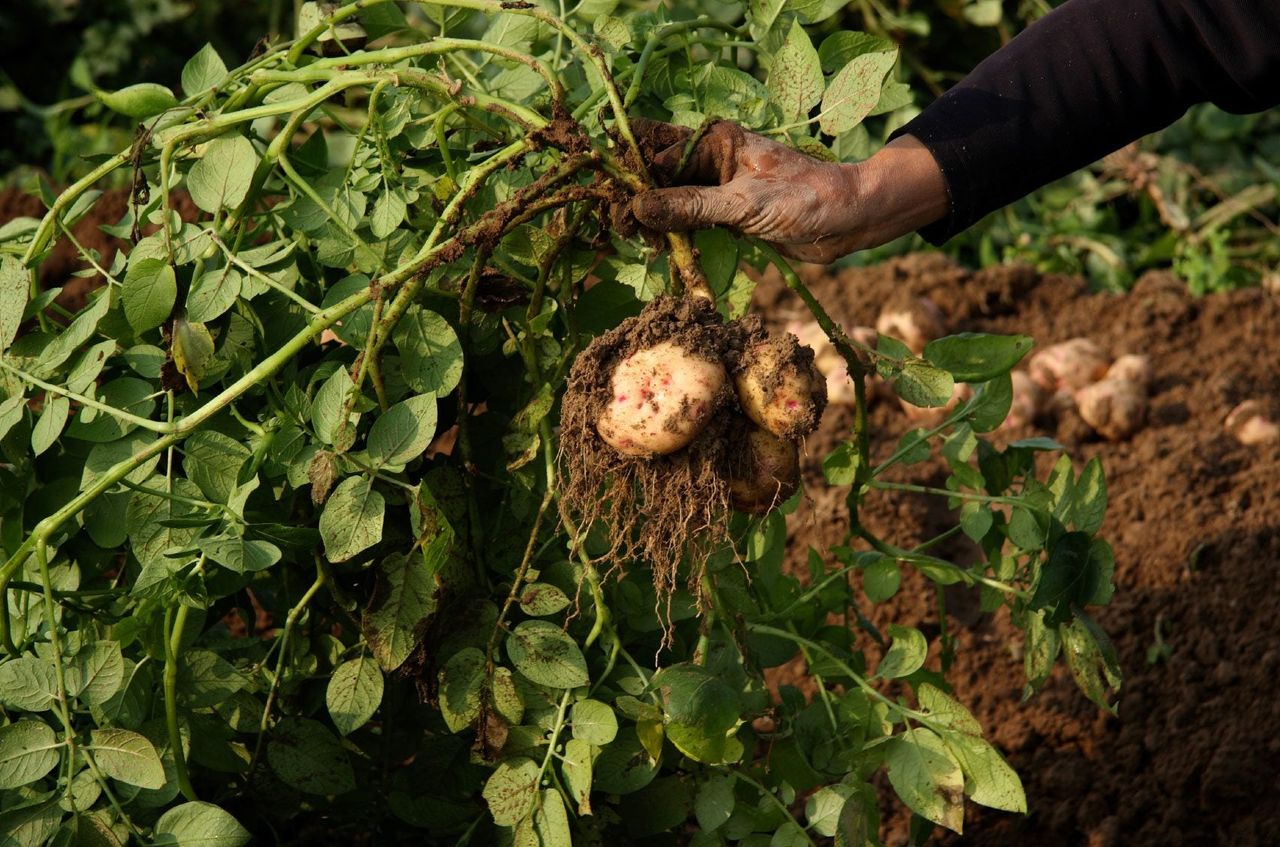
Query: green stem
[[174, 625], [754, 783], [969, 576], [127, 417]]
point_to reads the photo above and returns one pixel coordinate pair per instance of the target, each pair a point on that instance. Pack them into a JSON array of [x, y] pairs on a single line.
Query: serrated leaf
[[28, 751], [306, 756], [200, 824], [404, 598], [354, 693], [547, 655], [927, 777], [150, 289], [352, 519], [128, 757], [906, 654], [795, 76], [854, 91], [221, 179]]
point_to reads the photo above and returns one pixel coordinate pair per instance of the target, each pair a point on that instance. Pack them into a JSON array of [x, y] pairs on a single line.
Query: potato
[[1115, 408], [930, 417], [916, 325], [662, 398], [840, 389], [769, 475], [1070, 365], [779, 388], [810, 335], [1028, 401], [1249, 424], [1134, 368]]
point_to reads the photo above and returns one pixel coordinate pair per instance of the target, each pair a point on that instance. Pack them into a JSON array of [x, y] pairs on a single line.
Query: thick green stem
[[174, 625]]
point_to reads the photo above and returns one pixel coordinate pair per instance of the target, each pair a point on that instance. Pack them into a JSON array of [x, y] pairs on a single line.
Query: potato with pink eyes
[[662, 398], [779, 388]]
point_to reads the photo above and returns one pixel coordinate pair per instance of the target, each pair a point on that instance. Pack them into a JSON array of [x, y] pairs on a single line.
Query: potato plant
[[286, 544]]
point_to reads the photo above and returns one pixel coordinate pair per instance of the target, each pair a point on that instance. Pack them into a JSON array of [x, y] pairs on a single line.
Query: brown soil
[[1193, 757]]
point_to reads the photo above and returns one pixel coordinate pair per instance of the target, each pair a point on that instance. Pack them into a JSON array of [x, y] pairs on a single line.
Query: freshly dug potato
[[1070, 365], [840, 389], [915, 325], [769, 474], [662, 398], [1115, 408], [810, 335], [1028, 401], [1248, 423], [1133, 367], [780, 389], [931, 417]]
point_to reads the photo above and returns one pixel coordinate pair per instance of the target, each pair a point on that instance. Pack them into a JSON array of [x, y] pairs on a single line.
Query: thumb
[[687, 207]]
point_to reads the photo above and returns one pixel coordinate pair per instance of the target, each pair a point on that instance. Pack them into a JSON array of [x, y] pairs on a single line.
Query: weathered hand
[[807, 209]]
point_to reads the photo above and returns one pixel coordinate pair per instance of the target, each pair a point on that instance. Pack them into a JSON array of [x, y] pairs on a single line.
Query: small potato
[[810, 335], [915, 325], [769, 475], [931, 417], [1070, 365], [840, 389], [780, 389], [662, 398], [1134, 368], [1028, 401], [1115, 408], [1249, 424]]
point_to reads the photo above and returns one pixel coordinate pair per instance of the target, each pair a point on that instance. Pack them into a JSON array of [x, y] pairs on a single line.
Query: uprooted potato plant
[[372, 501]]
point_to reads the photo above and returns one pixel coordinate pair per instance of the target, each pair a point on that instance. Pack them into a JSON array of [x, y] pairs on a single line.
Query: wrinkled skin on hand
[[805, 208]]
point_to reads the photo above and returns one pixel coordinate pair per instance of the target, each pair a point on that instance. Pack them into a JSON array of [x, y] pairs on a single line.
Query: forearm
[[1088, 78], [899, 190]]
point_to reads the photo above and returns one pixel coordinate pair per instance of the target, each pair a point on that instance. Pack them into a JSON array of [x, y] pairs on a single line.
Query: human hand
[[807, 209]]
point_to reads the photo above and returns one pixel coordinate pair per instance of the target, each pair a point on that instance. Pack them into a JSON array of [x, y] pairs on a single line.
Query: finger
[[713, 160], [686, 208], [654, 137]]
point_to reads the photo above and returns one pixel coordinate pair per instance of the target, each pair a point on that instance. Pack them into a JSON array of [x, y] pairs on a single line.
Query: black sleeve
[[1086, 79]]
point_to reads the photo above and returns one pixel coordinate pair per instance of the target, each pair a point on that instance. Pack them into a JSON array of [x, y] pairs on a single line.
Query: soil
[[1194, 516]]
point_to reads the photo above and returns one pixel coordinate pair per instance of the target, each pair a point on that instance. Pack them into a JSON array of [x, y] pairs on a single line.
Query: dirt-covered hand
[[806, 208]]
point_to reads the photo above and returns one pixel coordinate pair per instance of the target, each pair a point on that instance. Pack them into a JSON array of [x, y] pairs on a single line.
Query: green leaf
[[816, 11], [404, 431], [239, 554], [625, 766], [795, 76], [1028, 529], [388, 213], [825, 808], [462, 688], [1064, 577], [150, 289], [906, 655], [404, 598], [213, 461], [221, 179], [718, 255], [854, 91], [213, 292], [842, 46], [326, 411], [28, 751], [53, 418], [354, 693], [714, 802], [914, 447], [148, 516], [430, 354], [551, 821], [15, 286], [511, 790], [309, 758], [192, 351], [921, 384], [576, 767], [991, 404], [199, 824], [540, 599], [128, 757], [975, 519], [1091, 659], [927, 777], [946, 711], [352, 519], [646, 282], [881, 579], [988, 779], [976, 356], [1040, 651], [547, 655], [206, 679], [141, 101], [593, 722], [695, 696], [96, 672], [126, 393], [28, 683], [203, 71], [1090, 498], [840, 467]]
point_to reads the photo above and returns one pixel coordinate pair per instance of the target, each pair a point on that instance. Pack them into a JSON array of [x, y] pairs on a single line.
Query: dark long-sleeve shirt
[[1088, 78]]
